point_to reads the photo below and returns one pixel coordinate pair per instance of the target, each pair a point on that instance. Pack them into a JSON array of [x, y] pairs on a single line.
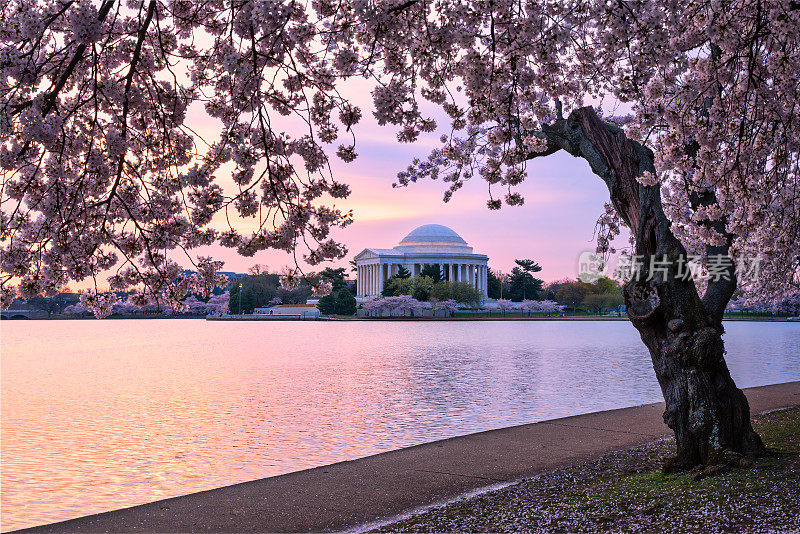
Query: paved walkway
[[348, 494]]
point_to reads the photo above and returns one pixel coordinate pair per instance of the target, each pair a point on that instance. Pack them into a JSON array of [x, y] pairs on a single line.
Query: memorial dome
[[433, 233], [434, 237]]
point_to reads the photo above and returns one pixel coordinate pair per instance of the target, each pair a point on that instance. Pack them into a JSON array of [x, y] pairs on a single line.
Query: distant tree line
[[604, 294], [520, 285]]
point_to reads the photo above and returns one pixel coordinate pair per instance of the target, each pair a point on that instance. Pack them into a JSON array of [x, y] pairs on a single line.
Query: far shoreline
[[446, 319], [251, 318]]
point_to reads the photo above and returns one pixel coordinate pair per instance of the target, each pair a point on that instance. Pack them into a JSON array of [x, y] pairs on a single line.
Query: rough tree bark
[[708, 413]]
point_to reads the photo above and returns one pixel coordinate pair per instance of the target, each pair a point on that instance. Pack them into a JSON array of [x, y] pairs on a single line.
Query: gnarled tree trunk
[[708, 413]]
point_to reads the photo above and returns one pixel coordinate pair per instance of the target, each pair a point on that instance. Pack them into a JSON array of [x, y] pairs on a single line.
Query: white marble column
[[380, 277], [359, 280]]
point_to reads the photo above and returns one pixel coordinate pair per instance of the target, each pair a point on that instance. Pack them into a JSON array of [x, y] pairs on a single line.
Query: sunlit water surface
[[98, 415]]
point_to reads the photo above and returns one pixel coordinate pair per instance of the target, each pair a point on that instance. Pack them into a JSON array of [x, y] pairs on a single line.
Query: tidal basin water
[[98, 415]]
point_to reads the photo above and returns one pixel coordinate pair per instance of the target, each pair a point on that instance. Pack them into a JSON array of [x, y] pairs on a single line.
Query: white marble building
[[430, 244]]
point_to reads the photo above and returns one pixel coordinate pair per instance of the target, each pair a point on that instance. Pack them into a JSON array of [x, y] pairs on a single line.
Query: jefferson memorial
[[430, 244]]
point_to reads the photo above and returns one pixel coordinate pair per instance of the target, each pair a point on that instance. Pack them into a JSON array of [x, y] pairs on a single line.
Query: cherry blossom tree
[[791, 303], [76, 309], [529, 306], [387, 305], [322, 288], [195, 306], [450, 306], [406, 304], [124, 308], [218, 304], [705, 164], [101, 169], [549, 306], [101, 304], [505, 305]]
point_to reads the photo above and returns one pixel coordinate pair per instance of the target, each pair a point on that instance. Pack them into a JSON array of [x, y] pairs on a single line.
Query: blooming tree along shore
[[101, 170]]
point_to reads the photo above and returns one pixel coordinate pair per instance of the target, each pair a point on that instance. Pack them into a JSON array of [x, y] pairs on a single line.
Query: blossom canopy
[[101, 169]]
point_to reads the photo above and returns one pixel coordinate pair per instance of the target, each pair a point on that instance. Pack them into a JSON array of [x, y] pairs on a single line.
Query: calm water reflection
[[99, 415]]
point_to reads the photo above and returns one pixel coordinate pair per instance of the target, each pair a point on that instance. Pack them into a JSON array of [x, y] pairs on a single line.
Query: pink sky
[[562, 202]]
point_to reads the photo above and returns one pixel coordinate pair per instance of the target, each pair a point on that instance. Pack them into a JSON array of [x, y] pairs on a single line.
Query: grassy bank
[[626, 492]]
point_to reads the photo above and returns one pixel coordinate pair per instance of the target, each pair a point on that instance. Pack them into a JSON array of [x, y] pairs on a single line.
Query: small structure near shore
[[288, 310]]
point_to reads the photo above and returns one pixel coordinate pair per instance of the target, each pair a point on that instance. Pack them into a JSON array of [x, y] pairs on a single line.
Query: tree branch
[[610, 154], [721, 288], [126, 104], [403, 6], [50, 99]]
